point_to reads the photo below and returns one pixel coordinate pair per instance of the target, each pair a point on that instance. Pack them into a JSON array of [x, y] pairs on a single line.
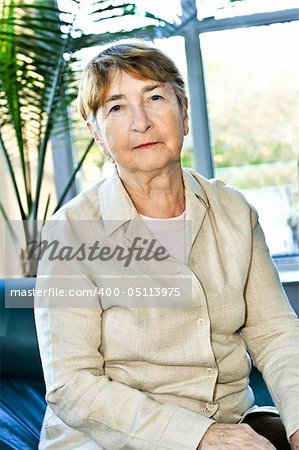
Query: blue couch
[[22, 386]]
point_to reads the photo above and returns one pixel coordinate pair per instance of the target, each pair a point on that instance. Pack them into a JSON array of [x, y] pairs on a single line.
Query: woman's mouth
[[145, 145]]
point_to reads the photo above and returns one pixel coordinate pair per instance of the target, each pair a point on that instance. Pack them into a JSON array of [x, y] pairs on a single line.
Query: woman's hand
[[233, 437], [294, 440]]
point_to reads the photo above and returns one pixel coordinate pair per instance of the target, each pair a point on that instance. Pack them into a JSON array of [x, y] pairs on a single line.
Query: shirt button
[[210, 372], [201, 323], [211, 406]]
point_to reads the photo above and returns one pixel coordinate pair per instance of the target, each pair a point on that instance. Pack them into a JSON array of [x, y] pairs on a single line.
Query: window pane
[[230, 8], [252, 90], [89, 21], [174, 47]]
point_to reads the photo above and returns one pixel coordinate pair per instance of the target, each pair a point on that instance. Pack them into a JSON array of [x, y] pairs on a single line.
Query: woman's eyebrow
[[151, 87], [112, 98]]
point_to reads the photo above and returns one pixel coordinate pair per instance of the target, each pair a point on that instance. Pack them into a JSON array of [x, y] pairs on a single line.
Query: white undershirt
[[171, 233]]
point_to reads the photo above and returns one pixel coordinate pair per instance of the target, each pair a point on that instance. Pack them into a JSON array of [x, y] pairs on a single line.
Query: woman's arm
[[112, 414], [272, 331]]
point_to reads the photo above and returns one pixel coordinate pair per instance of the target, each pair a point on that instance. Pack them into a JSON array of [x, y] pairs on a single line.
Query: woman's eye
[[156, 97], [115, 108]]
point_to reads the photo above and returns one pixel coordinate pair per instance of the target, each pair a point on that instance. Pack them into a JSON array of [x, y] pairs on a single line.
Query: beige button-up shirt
[[154, 373]]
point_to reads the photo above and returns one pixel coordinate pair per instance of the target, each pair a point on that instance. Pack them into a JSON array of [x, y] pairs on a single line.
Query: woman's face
[[141, 124]]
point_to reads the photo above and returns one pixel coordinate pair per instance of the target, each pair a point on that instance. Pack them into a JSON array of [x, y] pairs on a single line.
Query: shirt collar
[[192, 186], [112, 192]]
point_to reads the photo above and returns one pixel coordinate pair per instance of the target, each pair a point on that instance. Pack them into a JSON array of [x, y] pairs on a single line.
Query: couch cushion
[[21, 413]]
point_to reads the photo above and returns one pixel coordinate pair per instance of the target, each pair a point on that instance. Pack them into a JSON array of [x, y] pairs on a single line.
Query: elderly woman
[[157, 359]]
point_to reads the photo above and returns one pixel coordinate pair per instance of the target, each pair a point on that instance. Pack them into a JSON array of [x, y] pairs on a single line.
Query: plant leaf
[[72, 177]]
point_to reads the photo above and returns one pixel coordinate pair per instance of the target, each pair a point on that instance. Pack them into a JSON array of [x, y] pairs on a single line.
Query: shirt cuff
[[184, 431]]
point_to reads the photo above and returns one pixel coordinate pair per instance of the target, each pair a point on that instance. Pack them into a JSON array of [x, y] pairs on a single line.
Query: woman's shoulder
[[222, 197], [213, 187], [84, 206]]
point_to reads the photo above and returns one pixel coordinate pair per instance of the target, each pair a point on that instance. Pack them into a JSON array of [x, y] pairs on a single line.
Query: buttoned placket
[[203, 326]]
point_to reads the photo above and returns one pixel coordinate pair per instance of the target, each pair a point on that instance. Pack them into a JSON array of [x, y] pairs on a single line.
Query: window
[[251, 80], [231, 8]]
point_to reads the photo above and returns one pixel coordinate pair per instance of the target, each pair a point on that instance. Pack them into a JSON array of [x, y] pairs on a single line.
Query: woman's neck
[[158, 195]]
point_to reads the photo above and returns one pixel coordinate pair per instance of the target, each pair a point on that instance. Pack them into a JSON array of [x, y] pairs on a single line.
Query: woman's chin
[[151, 162]]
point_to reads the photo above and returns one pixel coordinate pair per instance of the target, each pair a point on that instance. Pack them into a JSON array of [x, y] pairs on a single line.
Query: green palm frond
[[38, 81]]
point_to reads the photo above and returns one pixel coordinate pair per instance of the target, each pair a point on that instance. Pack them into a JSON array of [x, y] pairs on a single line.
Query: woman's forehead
[[122, 83]]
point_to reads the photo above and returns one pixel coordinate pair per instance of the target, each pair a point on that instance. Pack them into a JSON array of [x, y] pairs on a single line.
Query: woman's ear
[[94, 131], [185, 117], [95, 134]]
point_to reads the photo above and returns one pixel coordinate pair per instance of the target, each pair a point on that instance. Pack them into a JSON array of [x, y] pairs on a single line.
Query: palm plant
[[38, 83]]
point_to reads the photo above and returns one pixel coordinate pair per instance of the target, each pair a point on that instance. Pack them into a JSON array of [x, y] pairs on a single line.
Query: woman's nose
[[141, 121]]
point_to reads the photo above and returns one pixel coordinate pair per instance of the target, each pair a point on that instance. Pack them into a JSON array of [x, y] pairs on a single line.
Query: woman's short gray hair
[[138, 58]]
